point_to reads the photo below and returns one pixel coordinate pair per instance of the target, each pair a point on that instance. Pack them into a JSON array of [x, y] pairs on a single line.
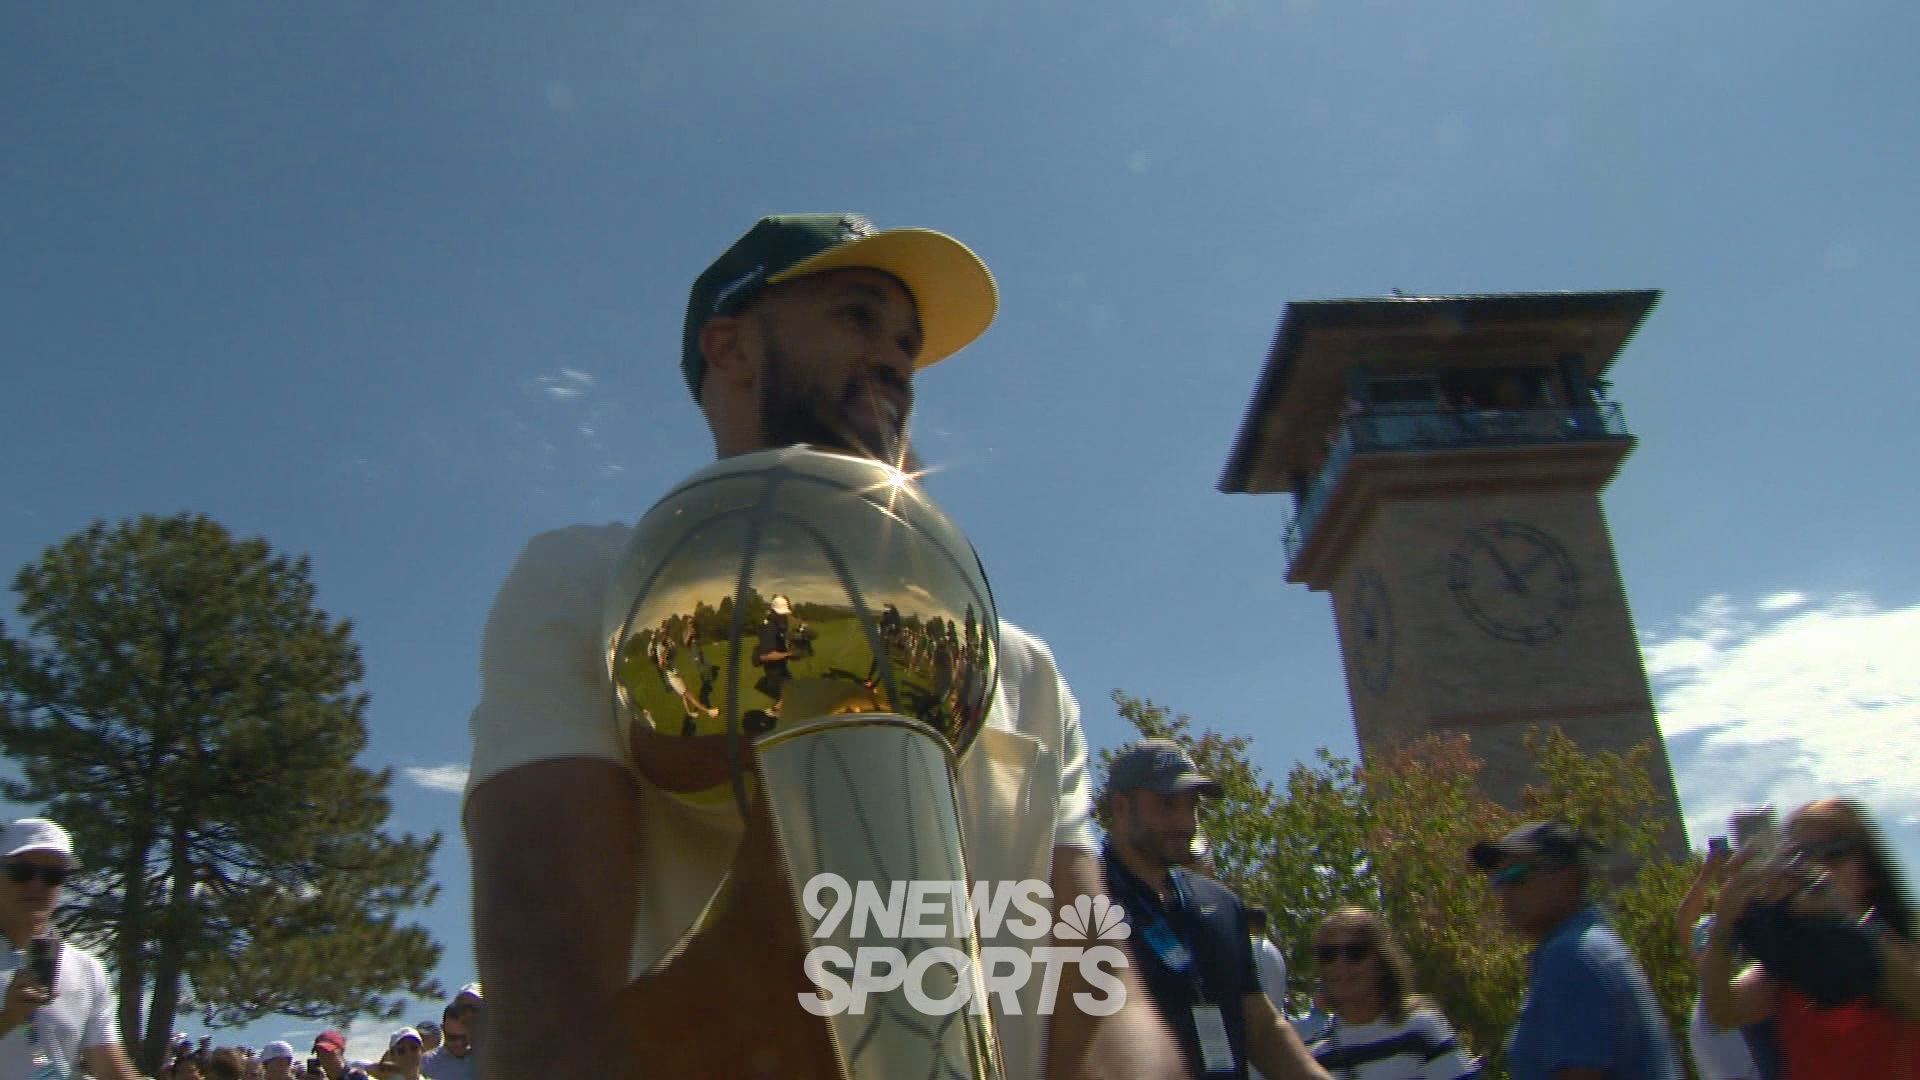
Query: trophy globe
[[777, 588], [807, 634]]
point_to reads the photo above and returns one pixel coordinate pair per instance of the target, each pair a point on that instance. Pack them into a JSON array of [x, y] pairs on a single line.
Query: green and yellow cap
[[951, 288]]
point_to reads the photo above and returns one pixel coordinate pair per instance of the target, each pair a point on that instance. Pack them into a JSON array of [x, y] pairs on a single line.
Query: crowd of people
[[1808, 970], [434, 1050], [58, 1018]]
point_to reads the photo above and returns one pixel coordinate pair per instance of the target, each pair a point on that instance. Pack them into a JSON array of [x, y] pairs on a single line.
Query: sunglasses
[[1825, 851], [23, 872], [1510, 874], [1354, 951]]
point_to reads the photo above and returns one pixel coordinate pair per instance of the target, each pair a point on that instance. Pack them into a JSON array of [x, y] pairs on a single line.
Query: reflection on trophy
[[806, 636]]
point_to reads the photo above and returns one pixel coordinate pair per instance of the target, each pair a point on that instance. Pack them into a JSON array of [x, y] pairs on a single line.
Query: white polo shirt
[[80, 1017], [1023, 787]]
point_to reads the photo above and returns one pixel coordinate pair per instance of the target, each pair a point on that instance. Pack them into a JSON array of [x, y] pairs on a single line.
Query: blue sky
[[399, 287]]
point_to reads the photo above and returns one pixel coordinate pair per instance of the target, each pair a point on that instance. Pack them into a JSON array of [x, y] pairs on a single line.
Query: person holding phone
[[58, 1012], [1835, 872], [1718, 1053]]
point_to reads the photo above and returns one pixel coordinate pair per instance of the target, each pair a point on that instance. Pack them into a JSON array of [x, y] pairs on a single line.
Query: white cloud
[[1807, 700], [449, 778], [571, 383]]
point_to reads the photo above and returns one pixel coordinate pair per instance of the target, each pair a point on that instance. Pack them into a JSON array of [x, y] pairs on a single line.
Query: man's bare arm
[[1273, 1046], [1131, 1044], [556, 849], [108, 1062]]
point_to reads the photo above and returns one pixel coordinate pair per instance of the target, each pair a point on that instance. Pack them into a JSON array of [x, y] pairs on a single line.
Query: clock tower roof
[[1319, 341]]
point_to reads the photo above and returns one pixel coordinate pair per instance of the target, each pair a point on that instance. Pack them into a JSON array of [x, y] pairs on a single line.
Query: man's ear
[[730, 344]]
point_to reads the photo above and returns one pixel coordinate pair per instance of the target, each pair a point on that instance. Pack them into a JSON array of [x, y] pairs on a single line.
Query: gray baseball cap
[[1160, 766]]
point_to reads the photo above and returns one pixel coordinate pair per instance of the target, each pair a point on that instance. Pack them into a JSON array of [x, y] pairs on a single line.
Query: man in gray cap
[[1188, 933]]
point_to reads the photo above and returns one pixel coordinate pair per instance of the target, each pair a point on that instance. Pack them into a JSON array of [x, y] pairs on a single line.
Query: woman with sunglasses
[[1835, 865], [1381, 1029]]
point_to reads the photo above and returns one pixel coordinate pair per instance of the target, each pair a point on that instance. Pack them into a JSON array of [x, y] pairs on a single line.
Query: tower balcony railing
[[1444, 429]]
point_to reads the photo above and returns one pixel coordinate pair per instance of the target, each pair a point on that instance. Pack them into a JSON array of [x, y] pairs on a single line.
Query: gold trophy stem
[[870, 798]]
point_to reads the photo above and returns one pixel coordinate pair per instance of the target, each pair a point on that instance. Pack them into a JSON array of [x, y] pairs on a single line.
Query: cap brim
[[1205, 785], [65, 856], [952, 288], [1487, 855]]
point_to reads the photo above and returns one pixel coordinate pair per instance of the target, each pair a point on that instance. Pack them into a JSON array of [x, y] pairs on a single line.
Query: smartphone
[[44, 955], [313, 1067], [1755, 832]]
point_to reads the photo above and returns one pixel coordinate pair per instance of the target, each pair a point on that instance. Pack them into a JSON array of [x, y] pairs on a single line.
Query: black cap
[[1158, 765], [1551, 839]]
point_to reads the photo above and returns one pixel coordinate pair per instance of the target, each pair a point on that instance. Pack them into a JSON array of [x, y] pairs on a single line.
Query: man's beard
[[1157, 846], [790, 414]]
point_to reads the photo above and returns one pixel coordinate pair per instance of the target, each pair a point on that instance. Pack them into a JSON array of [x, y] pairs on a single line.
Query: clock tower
[[1446, 456]]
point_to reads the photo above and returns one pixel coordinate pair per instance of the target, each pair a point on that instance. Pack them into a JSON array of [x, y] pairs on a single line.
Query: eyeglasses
[[1354, 951], [23, 872], [1510, 874], [1824, 851]]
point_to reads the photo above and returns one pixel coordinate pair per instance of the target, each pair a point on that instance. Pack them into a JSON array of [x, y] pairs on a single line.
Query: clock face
[[1371, 633], [1515, 582]]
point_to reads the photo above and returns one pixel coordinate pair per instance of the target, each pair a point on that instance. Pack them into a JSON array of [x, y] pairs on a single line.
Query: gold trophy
[[806, 636]]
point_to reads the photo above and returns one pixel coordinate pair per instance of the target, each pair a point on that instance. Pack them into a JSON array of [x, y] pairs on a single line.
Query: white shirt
[[1423, 1047], [1273, 972], [1273, 981], [545, 694], [1719, 1053], [80, 1018]]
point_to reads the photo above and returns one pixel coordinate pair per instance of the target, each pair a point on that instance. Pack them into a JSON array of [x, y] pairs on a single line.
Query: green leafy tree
[[180, 704], [1428, 811]]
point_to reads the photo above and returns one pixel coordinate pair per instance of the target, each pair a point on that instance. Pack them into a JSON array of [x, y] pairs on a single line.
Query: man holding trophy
[[650, 881]]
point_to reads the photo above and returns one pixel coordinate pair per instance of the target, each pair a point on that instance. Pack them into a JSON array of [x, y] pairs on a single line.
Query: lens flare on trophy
[[780, 587]]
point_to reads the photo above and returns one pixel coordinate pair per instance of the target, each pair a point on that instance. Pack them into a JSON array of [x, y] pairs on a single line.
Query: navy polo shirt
[[1209, 920]]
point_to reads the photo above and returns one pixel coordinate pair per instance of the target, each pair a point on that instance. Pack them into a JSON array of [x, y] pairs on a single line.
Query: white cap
[[780, 605], [276, 1050], [38, 834], [471, 990], [403, 1034]]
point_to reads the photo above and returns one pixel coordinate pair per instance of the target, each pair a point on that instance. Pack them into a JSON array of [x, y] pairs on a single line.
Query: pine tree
[[179, 702]]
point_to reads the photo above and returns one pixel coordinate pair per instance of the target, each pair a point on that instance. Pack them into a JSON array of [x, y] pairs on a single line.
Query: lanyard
[[1167, 943]]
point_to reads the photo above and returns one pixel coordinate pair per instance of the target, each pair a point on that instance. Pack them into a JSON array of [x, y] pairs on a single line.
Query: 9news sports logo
[[925, 925]]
